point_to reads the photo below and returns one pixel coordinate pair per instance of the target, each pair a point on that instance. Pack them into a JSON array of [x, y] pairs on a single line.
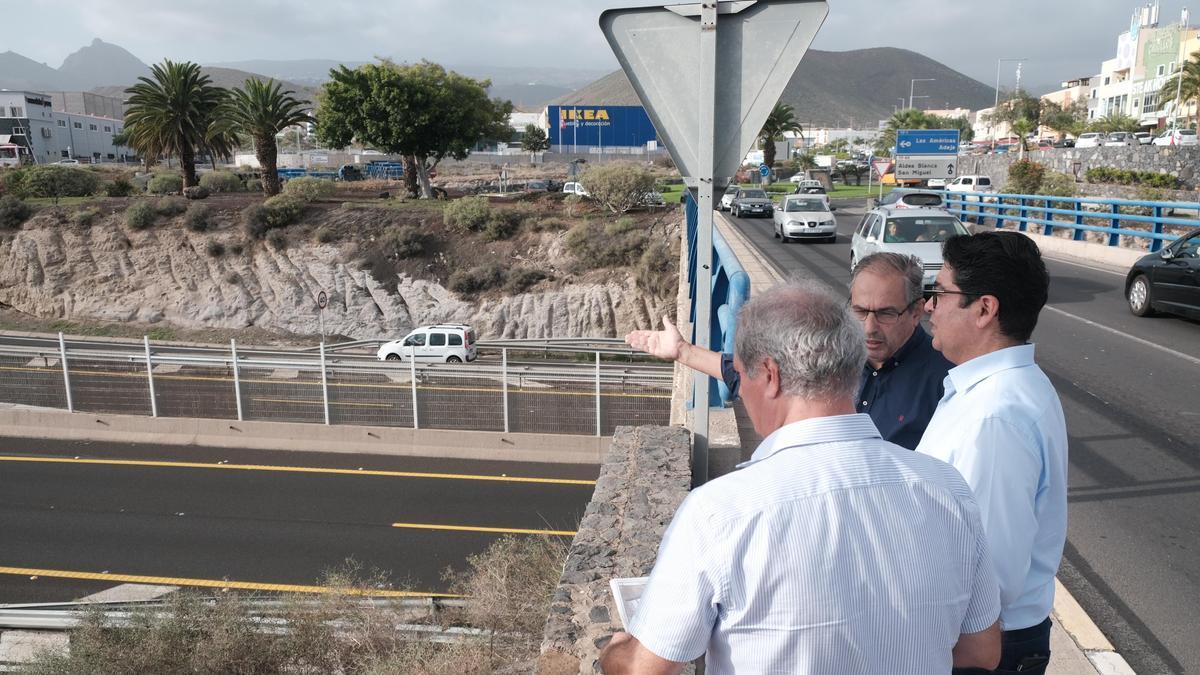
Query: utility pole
[[912, 85]]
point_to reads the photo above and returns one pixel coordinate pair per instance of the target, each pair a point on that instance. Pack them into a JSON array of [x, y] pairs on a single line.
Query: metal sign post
[[753, 56]]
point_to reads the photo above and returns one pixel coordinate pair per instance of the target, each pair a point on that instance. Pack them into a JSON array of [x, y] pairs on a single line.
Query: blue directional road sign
[[927, 142], [764, 170]]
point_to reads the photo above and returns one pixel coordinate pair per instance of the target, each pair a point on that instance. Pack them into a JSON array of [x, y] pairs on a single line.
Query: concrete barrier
[[448, 444]]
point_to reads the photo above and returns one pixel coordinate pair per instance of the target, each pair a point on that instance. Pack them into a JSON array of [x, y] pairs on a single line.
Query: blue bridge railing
[[1112, 217], [730, 289]]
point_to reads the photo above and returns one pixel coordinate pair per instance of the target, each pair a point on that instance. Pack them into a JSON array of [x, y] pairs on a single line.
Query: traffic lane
[[282, 456], [267, 496], [259, 526], [34, 588]]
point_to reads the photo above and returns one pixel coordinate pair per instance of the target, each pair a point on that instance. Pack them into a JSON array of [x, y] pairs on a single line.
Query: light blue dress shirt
[[1000, 423], [831, 551]]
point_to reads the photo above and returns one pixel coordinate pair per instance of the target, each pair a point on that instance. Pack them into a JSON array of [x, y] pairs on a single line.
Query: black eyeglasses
[[884, 317], [932, 295]]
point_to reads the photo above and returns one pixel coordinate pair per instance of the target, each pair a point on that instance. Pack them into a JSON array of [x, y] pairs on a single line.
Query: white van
[[443, 343], [574, 188]]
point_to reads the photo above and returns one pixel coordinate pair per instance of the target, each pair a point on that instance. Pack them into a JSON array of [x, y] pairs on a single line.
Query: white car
[[70, 162], [805, 217], [1091, 139], [574, 188], [443, 343], [1119, 139], [918, 232], [1176, 137], [971, 184], [727, 198], [801, 181], [1143, 137]]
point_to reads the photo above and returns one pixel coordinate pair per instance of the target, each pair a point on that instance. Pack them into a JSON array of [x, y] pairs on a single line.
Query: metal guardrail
[[1079, 215], [566, 398], [730, 289]]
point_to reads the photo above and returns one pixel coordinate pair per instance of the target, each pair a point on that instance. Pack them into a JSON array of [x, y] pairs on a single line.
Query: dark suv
[[751, 201]]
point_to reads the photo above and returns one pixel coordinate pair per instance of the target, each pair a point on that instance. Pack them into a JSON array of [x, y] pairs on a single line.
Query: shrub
[[1107, 174], [237, 248], [277, 239], [616, 244], [278, 211], [657, 270], [501, 224], [221, 181], [85, 217], [477, 279], [1025, 177], [53, 181], [198, 218], [163, 183], [308, 188], [170, 207], [618, 187], [253, 185], [522, 279], [467, 213], [13, 212], [325, 235], [1058, 184], [404, 242], [140, 215], [215, 249], [549, 224], [119, 187]]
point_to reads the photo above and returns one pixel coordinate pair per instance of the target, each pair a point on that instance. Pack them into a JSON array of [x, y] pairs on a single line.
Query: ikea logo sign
[[587, 114]]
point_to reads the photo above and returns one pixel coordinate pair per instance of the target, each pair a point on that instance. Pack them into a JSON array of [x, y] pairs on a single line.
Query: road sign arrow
[[759, 45]]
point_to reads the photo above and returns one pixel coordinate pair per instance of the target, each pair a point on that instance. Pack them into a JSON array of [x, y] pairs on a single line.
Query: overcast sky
[[1062, 40]]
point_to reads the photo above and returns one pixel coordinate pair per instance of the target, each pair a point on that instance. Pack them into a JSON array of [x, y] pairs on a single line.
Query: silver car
[[805, 217], [918, 232], [751, 202]]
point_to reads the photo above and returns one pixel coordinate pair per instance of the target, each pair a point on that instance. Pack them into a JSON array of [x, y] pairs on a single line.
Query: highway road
[[1130, 388], [254, 518]]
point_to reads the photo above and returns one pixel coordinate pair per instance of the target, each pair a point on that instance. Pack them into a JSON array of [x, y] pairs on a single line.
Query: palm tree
[[909, 118], [781, 119], [260, 110], [1185, 82], [1022, 128], [169, 113]]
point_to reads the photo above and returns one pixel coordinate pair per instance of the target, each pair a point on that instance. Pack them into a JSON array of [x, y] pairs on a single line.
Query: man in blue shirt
[[902, 380], [1001, 425]]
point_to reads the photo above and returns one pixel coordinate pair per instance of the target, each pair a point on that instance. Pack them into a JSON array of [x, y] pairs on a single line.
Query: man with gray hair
[[831, 550], [902, 380]]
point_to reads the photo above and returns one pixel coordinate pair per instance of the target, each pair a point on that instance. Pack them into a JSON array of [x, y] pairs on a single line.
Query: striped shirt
[[830, 551]]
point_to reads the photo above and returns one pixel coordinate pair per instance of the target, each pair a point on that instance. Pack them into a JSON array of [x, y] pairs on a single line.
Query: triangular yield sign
[[759, 46]]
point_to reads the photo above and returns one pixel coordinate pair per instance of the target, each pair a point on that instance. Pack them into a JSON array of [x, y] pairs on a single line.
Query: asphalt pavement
[[1130, 389], [258, 517]]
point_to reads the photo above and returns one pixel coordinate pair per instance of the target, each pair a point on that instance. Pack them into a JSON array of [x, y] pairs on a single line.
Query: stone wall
[[1177, 161], [645, 477]]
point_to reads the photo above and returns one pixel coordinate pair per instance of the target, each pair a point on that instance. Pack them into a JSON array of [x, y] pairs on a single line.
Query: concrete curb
[[25, 422], [1086, 634]]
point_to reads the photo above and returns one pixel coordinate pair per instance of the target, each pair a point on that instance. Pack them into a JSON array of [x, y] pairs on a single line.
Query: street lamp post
[[912, 85], [996, 104]]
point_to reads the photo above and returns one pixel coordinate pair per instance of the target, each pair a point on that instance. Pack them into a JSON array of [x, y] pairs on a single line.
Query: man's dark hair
[[1007, 265]]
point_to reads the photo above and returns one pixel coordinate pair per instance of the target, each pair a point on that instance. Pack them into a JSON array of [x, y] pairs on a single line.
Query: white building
[[45, 135]]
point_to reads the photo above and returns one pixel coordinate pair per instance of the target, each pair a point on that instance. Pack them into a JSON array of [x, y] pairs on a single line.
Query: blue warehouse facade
[[599, 126]]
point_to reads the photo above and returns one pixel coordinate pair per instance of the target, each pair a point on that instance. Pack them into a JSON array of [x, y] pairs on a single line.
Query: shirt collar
[[971, 373], [813, 431]]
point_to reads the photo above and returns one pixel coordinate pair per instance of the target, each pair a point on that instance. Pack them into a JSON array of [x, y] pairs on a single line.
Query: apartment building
[[43, 135]]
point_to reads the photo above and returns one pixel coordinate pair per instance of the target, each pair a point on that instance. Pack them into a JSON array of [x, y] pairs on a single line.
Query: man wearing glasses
[[1000, 423], [902, 380]]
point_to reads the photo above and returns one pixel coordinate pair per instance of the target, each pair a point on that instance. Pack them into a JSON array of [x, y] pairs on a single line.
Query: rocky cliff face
[[166, 275]]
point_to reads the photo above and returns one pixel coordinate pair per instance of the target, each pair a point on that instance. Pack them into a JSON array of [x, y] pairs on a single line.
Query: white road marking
[[1114, 331]]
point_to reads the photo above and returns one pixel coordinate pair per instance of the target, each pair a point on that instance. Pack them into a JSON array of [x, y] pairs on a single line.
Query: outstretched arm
[[669, 344]]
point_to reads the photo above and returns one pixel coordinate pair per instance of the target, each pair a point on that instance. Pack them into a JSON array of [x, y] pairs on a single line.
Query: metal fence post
[[1023, 218], [1156, 244], [1114, 239], [62, 356], [412, 379], [150, 377], [504, 384], [237, 385], [324, 384], [1079, 232], [698, 403]]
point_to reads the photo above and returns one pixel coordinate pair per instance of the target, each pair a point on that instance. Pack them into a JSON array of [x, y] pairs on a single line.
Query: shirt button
[[864, 402], [875, 374]]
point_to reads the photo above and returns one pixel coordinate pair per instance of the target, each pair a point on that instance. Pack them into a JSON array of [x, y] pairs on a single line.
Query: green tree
[[1023, 127], [805, 161], [966, 133], [534, 140], [1115, 121], [169, 113], [420, 111], [781, 119], [260, 109], [909, 118], [1186, 83], [1064, 120]]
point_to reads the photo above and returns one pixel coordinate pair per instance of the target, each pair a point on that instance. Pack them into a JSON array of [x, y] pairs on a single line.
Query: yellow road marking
[[500, 530], [229, 380], [304, 402], [294, 469], [209, 583]]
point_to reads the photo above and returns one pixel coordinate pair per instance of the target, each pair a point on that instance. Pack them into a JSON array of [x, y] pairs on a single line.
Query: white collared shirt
[[1000, 423], [831, 551]]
